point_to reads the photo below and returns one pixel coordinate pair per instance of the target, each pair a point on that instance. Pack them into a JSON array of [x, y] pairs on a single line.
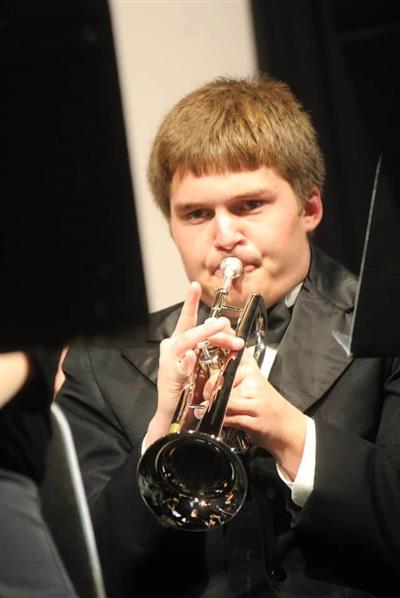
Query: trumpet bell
[[192, 481]]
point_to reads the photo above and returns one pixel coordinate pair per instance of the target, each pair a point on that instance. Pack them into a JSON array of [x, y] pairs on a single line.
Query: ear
[[312, 211]]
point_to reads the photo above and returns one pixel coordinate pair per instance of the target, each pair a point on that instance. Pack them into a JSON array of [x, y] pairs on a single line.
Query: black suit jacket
[[345, 541]]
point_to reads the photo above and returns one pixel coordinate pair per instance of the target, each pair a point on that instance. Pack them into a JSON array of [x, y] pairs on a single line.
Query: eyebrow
[[254, 193]]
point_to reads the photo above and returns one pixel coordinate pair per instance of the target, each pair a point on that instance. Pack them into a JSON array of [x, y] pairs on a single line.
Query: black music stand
[[376, 321], [70, 257]]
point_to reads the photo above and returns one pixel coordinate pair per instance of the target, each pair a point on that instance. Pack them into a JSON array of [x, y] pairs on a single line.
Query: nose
[[227, 233]]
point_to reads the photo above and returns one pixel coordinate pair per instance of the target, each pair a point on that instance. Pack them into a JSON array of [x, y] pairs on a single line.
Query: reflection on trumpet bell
[[192, 481]]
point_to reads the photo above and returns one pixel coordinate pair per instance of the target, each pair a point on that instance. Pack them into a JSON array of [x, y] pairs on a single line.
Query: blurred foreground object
[[70, 256]]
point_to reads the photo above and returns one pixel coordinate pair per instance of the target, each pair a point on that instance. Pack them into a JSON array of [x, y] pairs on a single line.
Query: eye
[[250, 205], [197, 215]]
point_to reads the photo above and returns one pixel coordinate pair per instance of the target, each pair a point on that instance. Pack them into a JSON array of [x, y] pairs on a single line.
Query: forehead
[[188, 187]]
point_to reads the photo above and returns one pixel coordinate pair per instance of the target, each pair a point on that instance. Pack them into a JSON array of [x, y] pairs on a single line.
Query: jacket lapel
[[145, 360], [309, 359]]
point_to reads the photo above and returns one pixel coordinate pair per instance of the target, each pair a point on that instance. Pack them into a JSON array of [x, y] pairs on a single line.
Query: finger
[[248, 359], [176, 347], [248, 369], [190, 338], [241, 406], [246, 423], [226, 341], [188, 316], [210, 385], [198, 412], [242, 373]]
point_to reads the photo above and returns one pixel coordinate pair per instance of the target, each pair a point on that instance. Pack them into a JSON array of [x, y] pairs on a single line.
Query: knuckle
[[185, 338], [165, 345]]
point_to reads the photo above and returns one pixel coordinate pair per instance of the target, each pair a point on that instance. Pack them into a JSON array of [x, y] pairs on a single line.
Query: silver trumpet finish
[[193, 478]]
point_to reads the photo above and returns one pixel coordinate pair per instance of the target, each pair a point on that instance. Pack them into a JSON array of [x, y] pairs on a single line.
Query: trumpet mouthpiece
[[231, 267]]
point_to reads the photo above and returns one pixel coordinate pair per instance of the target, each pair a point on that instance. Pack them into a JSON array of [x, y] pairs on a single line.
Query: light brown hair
[[237, 124]]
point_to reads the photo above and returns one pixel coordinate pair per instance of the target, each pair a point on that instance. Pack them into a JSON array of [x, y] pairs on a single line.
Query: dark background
[[342, 59]]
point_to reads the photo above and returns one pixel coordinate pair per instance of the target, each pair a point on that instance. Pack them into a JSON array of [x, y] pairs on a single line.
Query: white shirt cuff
[[303, 484]]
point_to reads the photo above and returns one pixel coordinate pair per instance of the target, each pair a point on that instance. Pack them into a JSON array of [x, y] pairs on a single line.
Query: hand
[[267, 418], [60, 377], [177, 358], [14, 371]]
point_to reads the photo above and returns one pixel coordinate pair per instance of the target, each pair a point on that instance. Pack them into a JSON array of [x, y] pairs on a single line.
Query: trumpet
[[194, 478]]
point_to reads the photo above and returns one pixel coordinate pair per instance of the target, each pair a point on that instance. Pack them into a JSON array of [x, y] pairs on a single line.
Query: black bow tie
[[278, 318]]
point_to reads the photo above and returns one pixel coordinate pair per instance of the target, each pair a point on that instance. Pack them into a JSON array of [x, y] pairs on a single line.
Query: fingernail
[[224, 319], [210, 321], [238, 342]]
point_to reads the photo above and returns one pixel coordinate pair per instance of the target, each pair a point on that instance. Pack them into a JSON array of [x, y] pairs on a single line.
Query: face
[[253, 215]]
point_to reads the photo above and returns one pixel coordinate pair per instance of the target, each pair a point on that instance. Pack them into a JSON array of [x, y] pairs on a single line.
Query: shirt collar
[[291, 296]]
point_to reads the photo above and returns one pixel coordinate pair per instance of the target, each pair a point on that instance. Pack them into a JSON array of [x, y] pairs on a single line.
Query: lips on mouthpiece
[[247, 268]]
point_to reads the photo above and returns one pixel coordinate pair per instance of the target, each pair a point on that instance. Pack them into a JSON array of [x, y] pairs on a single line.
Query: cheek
[[280, 246], [186, 236], [287, 232], [191, 251], [180, 238]]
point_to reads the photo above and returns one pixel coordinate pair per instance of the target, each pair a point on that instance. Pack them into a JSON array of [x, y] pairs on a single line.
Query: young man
[[237, 171]]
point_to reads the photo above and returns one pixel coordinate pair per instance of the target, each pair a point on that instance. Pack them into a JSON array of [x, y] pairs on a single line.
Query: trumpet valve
[[208, 358]]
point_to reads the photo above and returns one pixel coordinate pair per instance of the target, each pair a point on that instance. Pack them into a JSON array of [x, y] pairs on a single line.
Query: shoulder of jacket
[[332, 280]]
